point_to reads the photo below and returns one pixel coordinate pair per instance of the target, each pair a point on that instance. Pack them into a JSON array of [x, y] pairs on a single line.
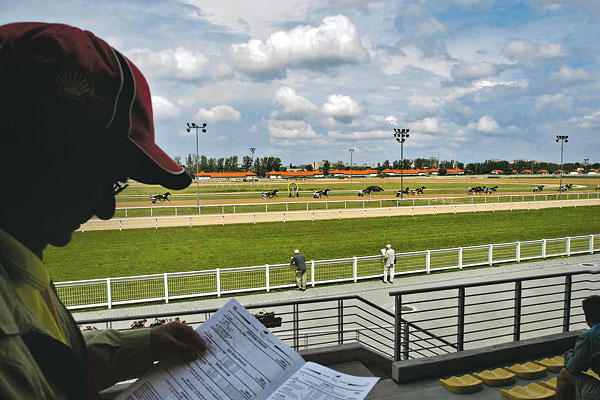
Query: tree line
[[260, 166]]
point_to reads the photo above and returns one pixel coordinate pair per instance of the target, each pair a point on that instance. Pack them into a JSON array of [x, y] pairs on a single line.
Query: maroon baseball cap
[[70, 67]]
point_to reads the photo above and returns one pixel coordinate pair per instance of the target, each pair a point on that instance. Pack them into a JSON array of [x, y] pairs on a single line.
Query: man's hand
[[178, 338], [567, 353]]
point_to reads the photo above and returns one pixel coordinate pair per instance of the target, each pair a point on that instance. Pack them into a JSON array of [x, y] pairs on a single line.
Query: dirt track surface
[[221, 219]]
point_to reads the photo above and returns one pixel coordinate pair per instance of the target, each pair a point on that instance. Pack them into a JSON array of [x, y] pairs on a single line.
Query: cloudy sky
[[306, 80]]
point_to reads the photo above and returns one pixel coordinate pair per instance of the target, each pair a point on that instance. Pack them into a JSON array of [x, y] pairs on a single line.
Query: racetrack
[[252, 218]]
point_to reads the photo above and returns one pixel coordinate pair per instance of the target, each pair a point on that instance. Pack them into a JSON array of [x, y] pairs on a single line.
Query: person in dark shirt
[[300, 263], [573, 383]]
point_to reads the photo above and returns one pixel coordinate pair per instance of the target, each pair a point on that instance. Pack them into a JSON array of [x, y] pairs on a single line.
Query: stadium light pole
[[586, 161], [562, 140], [252, 150], [401, 135], [191, 126], [351, 152]]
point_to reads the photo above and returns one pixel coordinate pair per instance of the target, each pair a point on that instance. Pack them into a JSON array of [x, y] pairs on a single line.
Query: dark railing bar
[[487, 283]]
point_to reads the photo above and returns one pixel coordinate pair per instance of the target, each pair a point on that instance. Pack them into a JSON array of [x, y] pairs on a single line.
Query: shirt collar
[[21, 263]]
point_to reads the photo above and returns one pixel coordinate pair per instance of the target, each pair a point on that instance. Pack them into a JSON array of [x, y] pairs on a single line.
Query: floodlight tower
[[563, 140], [191, 126], [351, 152], [586, 162], [401, 135], [252, 150]]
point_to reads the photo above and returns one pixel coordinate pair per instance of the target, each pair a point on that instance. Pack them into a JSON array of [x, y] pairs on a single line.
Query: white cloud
[[474, 71], [341, 108], [287, 129], [391, 120], [293, 105], [591, 121], [180, 63], [430, 28], [413, 57], [333, 42], [356, 135], [527, 52], [569, 75], [218, 114], [429, 125], [486, 124], [162, 108]]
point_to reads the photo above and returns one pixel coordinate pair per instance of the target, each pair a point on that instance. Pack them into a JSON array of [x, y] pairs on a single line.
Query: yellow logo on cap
[[75, 83]]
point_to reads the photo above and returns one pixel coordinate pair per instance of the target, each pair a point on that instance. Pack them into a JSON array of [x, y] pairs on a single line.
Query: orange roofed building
[[225, 175], [294, 174], [353, 173]]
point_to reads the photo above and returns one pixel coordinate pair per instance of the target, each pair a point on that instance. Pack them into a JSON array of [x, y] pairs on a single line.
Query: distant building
[[225, 175], [354, 173], [496, 172], [294, 174]]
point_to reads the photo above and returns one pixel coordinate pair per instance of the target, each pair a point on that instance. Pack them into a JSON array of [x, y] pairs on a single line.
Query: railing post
[[518, 251], [267, 285], [295, 327], [460, 334], [491, 255], [312, 273], [108, 293], [355, 269], [428, 261], [591, 244], [397, 328], [543, 248], [340, 321], [568, 246], [567, 303], [166, 281], [460, 257], [405, 342], [218, 282], [517, 311]]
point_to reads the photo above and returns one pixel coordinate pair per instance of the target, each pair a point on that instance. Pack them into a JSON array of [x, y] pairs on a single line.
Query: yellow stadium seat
[[496, 377], [550, 384], [533, 391], [554, 364], [527, 370], [462, 385], [592, 373]]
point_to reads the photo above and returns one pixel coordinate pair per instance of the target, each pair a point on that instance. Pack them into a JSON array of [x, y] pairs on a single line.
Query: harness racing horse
[[491, 190], [317, 194], [404, 191], [160, 197], [420, 190], [538, 188], [476, 190], [270, 194]]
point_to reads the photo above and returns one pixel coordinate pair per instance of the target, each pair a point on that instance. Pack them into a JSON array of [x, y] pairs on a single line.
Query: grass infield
[[101, 254]]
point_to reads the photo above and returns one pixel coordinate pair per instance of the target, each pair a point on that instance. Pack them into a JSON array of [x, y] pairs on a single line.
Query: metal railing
[[306, 323], [466, 316], [229, 281], [287, 206]]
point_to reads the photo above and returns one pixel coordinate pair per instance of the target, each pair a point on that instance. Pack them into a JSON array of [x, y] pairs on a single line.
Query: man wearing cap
[[389, 261], [76, 122], [300, 262]]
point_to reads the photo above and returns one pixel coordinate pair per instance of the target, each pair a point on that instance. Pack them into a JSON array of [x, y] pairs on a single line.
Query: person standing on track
[[300, 263]]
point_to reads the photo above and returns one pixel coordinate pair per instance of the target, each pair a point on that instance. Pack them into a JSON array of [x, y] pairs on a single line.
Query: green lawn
[[101, 254]]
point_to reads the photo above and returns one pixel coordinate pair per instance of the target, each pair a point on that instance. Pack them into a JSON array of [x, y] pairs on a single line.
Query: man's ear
[[36, 139]]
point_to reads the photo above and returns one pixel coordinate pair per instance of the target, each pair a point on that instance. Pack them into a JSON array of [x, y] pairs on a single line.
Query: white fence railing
[[160, 209], [221, 281]]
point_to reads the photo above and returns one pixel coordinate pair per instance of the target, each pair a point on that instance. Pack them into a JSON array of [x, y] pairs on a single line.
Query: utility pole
[[562, 140]]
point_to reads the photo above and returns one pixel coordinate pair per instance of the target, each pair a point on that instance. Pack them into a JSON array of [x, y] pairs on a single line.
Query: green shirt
[[35, 365]]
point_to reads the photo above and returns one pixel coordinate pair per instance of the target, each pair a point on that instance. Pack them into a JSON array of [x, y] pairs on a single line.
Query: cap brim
[[151, 163]]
